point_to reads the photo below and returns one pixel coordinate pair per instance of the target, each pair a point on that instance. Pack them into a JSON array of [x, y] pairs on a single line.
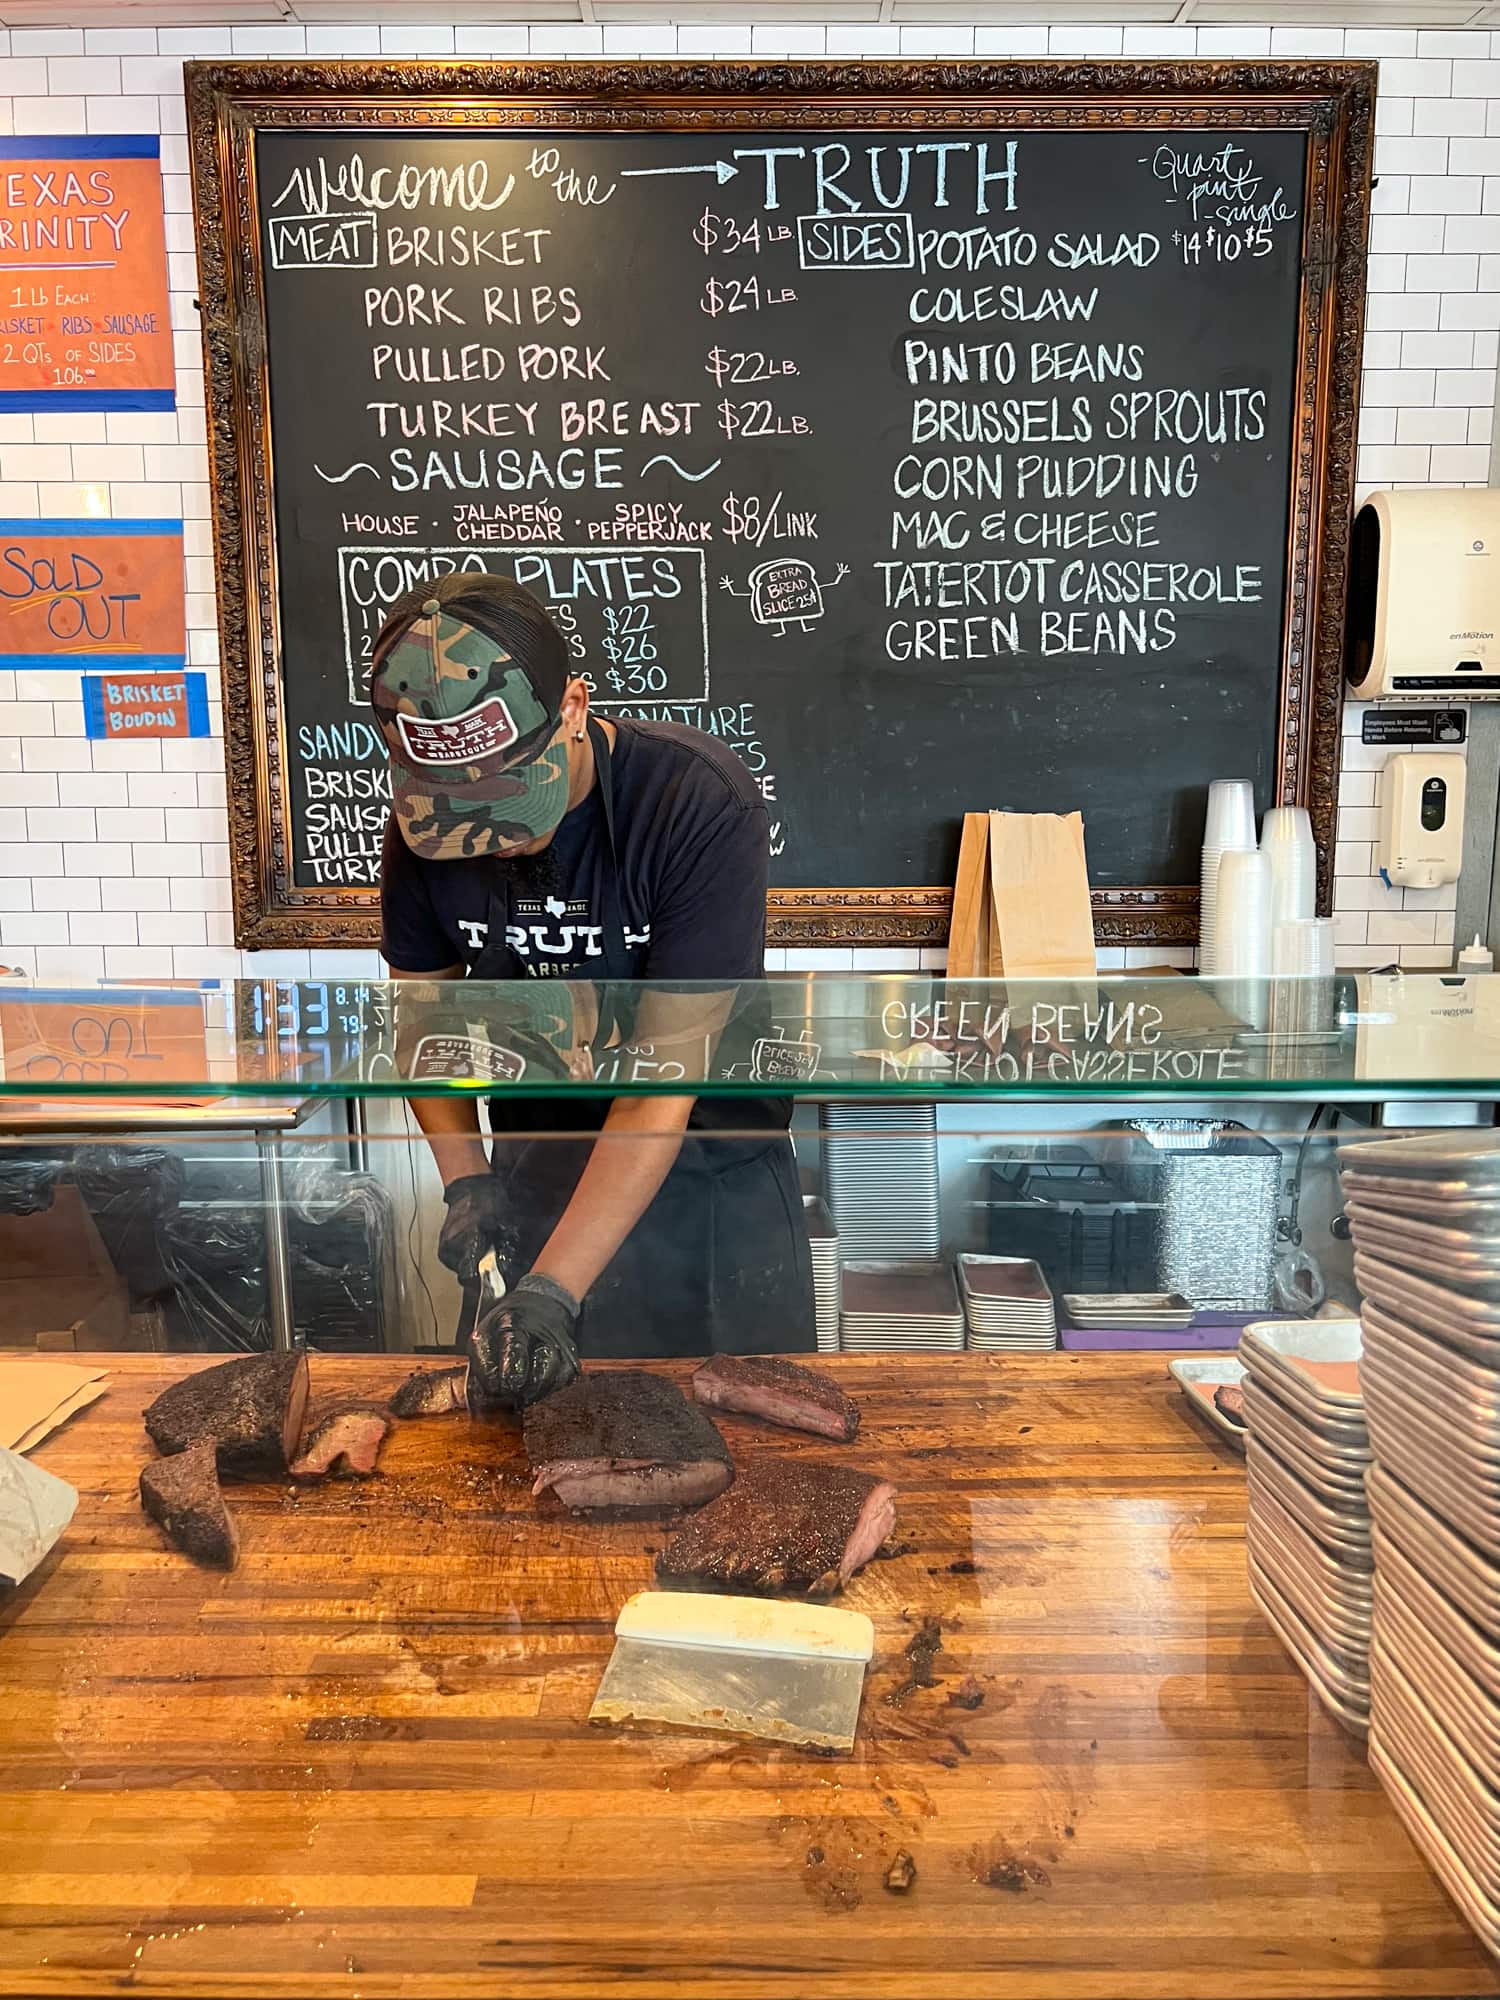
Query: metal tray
[[1472, 1324], [1458, 1250], [1456, 1636], [1451, 1691], [1344, 1628], [1450, 1563], [1339, 1439], [1338, 1475], [1198, 1380], [1332, 1424], [1467, 1463], [1449, 1782], [1475, 1514], [1350, 1578], [1284, 1344], [1393, 1196], [1446, 1395], [1431, 1841], [1479, 1381], [1146, 1311], [1349, 1707], [1344, 1530], [1468, 1158]]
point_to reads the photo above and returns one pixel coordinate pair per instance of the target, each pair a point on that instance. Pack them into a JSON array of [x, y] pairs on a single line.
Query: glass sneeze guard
[[1357, 1036]]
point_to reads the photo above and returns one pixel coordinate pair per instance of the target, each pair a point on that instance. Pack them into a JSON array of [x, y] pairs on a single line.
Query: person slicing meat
[[529, 840]]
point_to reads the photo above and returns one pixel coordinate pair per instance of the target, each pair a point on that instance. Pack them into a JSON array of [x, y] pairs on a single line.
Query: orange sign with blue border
[[92, 594], [84, 319]]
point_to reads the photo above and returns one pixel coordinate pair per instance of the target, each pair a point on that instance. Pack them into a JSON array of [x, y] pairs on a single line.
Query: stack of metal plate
[[1007, 1305], [894, 1306], [1308, 1531], [1130, 1312], [823, 1241], [880, 1167], [1425, 1214]]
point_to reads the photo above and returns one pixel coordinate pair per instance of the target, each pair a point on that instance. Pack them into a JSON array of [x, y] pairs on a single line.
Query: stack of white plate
[[893, 1305], [880, 1168], [1426, 1221], [823, 1241], [1308, 1531], [1007, 1305]]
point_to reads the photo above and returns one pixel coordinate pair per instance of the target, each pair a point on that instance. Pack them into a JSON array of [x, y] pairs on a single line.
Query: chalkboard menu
[[937, 438]]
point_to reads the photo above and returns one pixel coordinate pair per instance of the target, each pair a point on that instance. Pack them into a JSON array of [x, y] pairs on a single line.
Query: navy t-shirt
[[682, 898]]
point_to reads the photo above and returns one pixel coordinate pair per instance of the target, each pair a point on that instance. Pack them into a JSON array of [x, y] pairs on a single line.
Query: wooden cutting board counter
[[360, 1766]]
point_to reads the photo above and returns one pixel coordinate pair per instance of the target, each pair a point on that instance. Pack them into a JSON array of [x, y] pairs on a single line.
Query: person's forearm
[[632, 1156], [451, 1128]]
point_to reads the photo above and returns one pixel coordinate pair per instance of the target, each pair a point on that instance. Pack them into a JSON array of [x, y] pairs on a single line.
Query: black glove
[[523, 1348], [475, 1225]]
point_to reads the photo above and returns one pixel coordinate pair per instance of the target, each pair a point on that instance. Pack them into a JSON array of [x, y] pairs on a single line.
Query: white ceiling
[[1136, 13]]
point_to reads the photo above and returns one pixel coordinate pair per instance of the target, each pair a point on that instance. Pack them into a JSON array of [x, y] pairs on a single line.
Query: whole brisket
[[622, 1438], [182, 1495], [250, 1411], [432, 1392], [786, 1525], [345, 1442], [781, 1391]]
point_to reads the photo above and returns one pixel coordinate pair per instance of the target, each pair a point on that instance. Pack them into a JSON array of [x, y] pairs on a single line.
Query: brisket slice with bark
[[250, 1410], [622, 1438], [181, 1494], [345, 1441], [781, 1391], [787, 1525], [1229, 1401], [432, 1392]]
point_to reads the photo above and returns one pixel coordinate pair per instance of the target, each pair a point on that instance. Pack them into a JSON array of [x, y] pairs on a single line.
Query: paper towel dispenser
[[1423, 610]]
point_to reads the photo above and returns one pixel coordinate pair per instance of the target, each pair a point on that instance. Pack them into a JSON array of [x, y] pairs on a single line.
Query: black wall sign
[[1414, 725], [930, 468]]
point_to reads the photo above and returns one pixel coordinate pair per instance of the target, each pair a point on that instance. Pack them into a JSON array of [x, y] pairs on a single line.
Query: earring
[[577, 735]]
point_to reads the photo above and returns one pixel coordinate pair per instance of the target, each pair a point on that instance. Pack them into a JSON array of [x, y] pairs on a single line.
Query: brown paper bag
[[1039, 886], [971, 928]]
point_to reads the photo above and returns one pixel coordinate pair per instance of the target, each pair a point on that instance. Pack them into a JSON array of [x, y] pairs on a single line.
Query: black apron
[[719, 1263]]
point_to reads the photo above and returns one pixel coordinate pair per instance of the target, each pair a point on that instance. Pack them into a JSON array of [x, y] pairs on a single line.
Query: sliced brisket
[[623, 1438], [250, 1411], [1229, 1401], [786, 1525], [781, 1391], [181, 1494], [345, 1442], [432, 1392]]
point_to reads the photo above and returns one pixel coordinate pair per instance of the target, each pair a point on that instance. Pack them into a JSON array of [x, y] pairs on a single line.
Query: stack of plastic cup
[[1242, 934], [1286, 840], [1302, 967], [1229, 828]]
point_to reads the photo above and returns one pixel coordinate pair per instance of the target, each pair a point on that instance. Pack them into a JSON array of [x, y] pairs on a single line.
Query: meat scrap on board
[[781, 1391], [432, 1392]]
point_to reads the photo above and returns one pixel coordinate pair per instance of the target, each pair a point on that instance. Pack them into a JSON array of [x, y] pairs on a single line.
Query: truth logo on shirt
[[547, 936]]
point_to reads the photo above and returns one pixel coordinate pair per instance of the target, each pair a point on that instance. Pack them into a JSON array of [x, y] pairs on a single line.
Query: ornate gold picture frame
[[230, 102]]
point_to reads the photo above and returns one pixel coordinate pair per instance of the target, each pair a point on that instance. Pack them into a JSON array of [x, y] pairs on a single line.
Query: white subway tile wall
[[113, 859]]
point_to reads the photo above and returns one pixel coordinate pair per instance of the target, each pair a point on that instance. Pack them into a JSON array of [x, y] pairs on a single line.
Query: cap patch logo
[[469, 738]]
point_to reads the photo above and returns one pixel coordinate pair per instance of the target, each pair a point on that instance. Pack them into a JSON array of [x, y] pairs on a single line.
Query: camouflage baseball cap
[[467, 686]]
